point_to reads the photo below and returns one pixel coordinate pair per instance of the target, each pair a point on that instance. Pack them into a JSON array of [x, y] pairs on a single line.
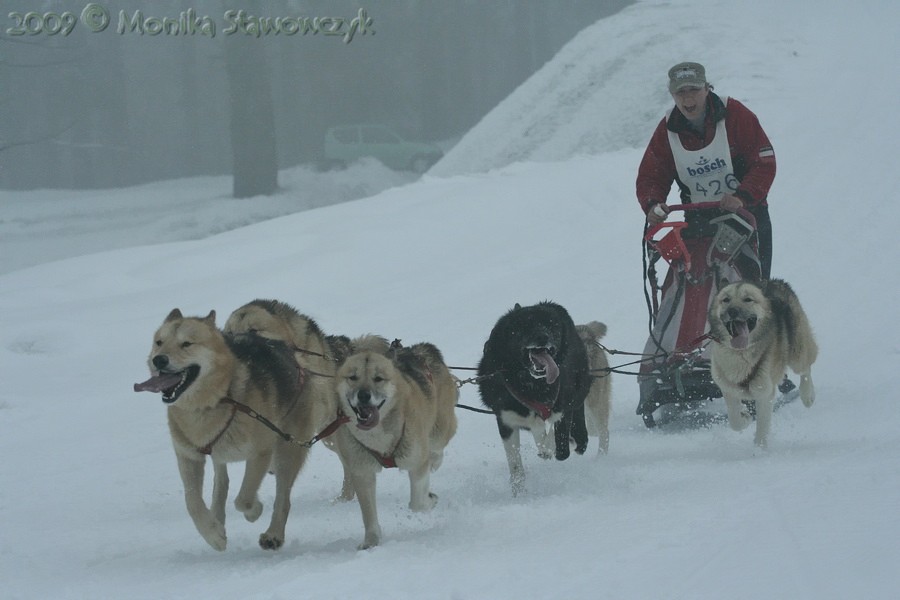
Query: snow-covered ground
[[44, 225], [91, 505]]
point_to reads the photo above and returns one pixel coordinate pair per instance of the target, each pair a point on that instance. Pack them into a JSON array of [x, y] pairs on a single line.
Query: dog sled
[[707, 246]]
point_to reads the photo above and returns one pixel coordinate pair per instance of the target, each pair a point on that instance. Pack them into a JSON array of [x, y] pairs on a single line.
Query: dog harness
[[543, 410], [388, 461], [207, 449], [385, 460]]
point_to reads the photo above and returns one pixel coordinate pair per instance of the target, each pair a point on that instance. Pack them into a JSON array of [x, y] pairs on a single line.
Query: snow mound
[[605, 90]]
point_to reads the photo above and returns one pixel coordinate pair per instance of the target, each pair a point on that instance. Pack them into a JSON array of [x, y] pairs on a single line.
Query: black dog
[[535, 373]]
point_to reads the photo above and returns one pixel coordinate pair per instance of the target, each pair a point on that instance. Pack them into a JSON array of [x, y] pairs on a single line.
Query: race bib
[[708, 172]]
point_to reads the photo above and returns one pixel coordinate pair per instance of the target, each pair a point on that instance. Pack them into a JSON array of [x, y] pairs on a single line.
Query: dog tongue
[[158, 383], [367, 417], [741, 337], [543, 358]]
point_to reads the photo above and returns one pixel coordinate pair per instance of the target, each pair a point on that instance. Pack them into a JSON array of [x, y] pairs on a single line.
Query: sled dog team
[[268, 384]]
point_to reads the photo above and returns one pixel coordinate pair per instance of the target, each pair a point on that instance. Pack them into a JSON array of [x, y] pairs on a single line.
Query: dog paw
[[215, 536], [342, 498], [372, 539], [348, 492], [268, 541], [251, 511], [742, 421], [517, 486], [426, 504], [545, 454], [562, 453], [739, 419]]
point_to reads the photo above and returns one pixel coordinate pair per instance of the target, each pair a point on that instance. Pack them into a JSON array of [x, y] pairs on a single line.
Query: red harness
[[386, 460], [543, 410]]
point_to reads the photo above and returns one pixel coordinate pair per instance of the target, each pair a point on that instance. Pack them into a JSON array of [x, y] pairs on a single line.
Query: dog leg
[[212, 530], [738, 415], [579, 431], [220, 491], [543, 436], [347, 493], [601, 420], [510, 438], [289, 458], [514, 459], [364, 483], [807, 389], [598, 416], [764, 408], [247, 500], [421, 499], [563, 430]]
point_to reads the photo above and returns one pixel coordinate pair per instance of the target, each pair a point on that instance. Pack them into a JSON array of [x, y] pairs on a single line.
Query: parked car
[[347, 143]]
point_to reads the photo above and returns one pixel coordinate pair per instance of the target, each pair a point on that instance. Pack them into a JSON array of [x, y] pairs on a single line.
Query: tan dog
[[758, 331], [597, 404], [402, 413], [317, 355], [202, 374]]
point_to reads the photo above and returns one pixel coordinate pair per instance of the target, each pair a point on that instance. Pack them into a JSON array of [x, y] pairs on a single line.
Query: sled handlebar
[[745, 214], [671, 246]]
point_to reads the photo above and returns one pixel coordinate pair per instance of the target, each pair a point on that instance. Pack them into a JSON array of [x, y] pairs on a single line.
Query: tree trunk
[[253, 146]]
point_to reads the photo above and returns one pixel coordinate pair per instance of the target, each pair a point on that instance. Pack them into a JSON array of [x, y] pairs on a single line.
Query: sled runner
[[708, 246]]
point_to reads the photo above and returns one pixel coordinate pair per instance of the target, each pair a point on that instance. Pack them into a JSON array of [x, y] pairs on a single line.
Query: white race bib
[[708, 172]]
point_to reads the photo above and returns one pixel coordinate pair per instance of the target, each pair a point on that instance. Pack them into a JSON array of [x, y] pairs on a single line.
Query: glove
[[730, 203], [657, 213]]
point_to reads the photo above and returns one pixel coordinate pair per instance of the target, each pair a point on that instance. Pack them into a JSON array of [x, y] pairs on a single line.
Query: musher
[[715, 150]]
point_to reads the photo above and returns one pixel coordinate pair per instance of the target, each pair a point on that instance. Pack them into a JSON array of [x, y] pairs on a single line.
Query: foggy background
[[109, 109]]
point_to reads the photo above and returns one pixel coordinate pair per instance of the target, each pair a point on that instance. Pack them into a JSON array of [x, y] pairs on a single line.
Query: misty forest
[[136, 91]]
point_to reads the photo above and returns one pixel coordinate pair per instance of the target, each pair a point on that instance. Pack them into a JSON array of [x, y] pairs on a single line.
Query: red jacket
[[751, 154]]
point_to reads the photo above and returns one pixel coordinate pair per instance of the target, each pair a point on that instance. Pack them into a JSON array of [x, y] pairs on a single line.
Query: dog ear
[[722, 283], [211, 317], [175, 314], [517, 306]]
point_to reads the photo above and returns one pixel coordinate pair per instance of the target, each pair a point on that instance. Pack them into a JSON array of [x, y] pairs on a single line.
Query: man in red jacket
[[715, 150]]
